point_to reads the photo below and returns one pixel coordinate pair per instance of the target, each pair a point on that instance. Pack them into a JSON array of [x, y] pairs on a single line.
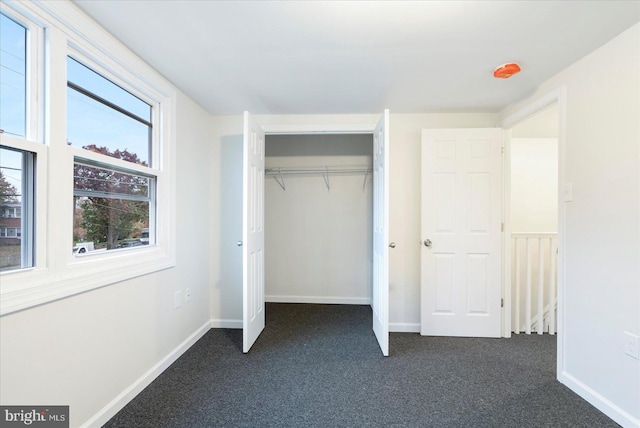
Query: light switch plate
[[567, 192]]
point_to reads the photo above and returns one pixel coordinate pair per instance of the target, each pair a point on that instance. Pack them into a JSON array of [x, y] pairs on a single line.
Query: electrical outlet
[[631, 345], [187, 295], [177, 301]]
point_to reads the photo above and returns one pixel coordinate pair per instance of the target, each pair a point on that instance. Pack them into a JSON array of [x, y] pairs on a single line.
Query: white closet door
[[253, 307], [380, 301]]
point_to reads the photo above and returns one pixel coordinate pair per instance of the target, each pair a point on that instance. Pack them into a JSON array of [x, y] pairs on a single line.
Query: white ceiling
[[312, 57]]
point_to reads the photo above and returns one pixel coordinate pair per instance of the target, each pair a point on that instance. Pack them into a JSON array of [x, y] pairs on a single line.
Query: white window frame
[[57, 273], [33, 254]]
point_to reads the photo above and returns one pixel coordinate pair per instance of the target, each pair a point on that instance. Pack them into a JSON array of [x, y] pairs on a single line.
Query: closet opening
[[318, 208]]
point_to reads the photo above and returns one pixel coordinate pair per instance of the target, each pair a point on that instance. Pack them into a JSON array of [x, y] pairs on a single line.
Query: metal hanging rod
[[324, 171]]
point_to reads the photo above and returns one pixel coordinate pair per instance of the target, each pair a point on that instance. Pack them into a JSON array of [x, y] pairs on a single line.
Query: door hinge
[[502, 303], [502, 150], [501, 227]]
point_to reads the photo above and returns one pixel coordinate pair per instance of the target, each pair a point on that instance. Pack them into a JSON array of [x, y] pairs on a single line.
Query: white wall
[[318, 240], [85, 350], [405, 136], [534, 185], [601, 297]]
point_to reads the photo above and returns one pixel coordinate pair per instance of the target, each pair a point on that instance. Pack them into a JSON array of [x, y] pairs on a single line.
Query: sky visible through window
[[13, 65], [92, 122]]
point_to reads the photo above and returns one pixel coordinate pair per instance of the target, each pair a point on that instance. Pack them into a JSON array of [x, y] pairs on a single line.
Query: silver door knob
[[239, 243], [392, 245], [427, 243]]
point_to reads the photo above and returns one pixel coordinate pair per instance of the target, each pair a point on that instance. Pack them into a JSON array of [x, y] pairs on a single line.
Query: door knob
[[427, 243], [392, 245], [239, 243]]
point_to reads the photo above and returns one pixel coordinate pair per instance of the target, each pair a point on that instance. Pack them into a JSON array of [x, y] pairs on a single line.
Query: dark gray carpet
[[320, 366]]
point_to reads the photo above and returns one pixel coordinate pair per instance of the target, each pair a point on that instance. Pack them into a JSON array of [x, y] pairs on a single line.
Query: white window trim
[[56, 273]]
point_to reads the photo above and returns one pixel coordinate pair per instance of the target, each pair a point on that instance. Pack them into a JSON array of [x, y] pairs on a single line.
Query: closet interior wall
[[318, 219]]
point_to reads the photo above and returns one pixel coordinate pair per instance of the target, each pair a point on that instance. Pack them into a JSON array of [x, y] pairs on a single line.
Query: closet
[[318, 218]]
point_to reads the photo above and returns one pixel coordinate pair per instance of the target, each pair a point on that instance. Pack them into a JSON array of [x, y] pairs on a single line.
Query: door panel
[[253, 312], [380, 300], [461, 282]]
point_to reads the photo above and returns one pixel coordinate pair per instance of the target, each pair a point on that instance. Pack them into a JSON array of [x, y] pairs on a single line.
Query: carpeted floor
[[320, 366]]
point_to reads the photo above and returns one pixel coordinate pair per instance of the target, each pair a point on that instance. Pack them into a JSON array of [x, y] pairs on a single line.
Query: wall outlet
[[631, 345], [187, 295], [177, 300]]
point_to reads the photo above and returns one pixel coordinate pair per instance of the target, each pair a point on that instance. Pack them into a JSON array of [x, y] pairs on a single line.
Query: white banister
[[527, 301], [539, 295], [540, 287]]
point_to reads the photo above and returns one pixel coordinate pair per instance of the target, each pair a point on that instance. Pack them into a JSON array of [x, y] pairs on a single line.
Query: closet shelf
[[278, 173]]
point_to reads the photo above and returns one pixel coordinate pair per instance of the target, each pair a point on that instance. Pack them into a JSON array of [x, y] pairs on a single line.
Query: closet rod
[[321, 170], [278, 173]]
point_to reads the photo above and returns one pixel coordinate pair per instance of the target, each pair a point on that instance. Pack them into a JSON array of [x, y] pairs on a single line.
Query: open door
[[253, 312], [380, 301], [461, 284]]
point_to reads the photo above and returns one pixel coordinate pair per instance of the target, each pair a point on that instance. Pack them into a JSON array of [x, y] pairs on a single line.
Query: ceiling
[[324, 57]]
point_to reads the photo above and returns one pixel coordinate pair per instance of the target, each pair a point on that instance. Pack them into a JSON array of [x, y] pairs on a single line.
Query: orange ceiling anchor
[[506, 70]]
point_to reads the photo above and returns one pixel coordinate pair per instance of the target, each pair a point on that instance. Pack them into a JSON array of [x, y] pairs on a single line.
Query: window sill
[[31, 287]]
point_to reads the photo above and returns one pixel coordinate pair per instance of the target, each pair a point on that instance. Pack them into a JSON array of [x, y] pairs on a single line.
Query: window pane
[[104, 88], [107, 223], [102, 122], [13, 83], [111, 209], [14, 249]]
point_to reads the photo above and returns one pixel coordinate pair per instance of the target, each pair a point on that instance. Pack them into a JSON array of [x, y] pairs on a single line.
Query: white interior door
[[461, 284], [253, 312], [380, 301]]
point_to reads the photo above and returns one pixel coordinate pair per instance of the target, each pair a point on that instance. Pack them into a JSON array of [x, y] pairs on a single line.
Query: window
[[113, 141], [104, 118], [13, 82], [113, 206], [16, 197]]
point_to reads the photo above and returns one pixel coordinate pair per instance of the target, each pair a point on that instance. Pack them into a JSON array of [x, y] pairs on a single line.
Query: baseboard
[[223, 323], [321, 300], [143, 381], [599, 402], [404, 327]]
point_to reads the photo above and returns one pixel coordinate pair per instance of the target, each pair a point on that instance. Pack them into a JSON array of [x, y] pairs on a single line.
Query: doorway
[[533, 178], [557, 99]]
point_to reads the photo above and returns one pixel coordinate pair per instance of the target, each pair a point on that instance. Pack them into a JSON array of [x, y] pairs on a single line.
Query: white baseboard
[[404, 327], [143, 381], [598, 401], [218, 323], [322, 300]]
